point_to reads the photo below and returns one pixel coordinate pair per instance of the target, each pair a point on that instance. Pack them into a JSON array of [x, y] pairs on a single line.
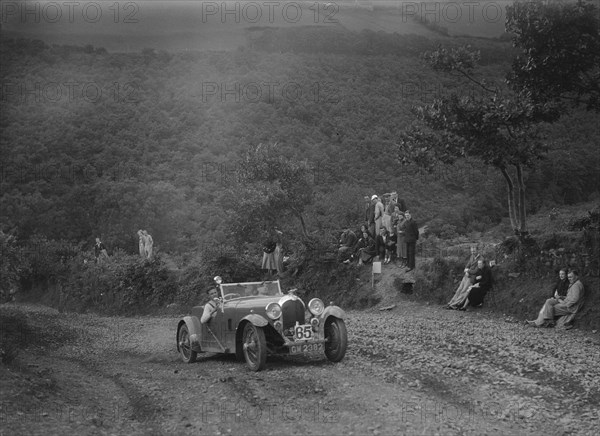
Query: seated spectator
[[466, 282], [365, 228], [365, 249], [347, 242], [565, 309], [559, 290], [480, 287]]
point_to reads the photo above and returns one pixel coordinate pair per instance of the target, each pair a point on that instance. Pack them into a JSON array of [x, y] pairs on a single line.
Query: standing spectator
[[396, 217], [100, 251], [142, 244], [381, 243], [278, 253], [378, 214], [390, 246], [371, 215], [388, 211], [401, 240], [401, 205], [268, 262], [411, 235], [148, 244], [369, 210]]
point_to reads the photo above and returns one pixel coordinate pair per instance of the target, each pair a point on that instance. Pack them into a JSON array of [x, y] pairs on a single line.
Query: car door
[[212, 334]]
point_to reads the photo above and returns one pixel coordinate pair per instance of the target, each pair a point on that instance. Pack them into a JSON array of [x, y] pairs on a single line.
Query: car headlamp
[[273, 310], [316, 306]]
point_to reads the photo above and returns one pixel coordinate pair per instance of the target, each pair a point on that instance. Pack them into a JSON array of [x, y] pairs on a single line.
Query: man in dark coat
[[482, 284], [411, 234], [381, 242]]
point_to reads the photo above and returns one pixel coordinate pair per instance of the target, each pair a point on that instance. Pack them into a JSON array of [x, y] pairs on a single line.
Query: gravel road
[[413, 369]]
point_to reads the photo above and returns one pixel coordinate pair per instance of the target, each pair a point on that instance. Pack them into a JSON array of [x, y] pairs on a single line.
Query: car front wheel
[[336, 339], [185, 345], [255, 347]]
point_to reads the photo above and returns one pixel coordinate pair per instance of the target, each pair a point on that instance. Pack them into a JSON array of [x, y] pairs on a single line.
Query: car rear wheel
[[336, 339], [255, 347], [185, 345]]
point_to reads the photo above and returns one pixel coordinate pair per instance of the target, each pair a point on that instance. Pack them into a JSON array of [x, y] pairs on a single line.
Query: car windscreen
[[249, 289]]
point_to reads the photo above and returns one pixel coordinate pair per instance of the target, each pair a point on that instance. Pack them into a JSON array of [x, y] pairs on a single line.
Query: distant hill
[[186, 25]]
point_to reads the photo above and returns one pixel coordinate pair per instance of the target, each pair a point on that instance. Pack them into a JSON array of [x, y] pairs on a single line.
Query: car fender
[[195, 329], [257, 320], [333, 311]]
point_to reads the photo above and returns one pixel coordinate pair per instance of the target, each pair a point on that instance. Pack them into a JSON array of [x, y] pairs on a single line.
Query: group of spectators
[[146, 247], [388, 233], [146, 244], [566, 295]]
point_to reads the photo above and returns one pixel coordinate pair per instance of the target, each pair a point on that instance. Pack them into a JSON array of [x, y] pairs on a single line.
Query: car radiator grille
[[292, 311]]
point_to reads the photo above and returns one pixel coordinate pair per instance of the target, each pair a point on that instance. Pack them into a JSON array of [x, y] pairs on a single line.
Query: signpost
[[376, 270]]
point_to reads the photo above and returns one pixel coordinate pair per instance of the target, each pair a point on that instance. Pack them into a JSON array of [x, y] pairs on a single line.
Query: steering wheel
[[230, 296]]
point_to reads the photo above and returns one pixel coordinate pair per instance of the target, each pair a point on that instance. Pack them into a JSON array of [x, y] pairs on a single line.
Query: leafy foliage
[[560, 51]]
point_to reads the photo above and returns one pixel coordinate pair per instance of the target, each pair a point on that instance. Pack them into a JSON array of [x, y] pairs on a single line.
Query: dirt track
[[414, 369]]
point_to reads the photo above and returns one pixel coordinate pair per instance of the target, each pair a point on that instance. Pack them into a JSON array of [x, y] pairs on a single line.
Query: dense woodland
[[102, 144]]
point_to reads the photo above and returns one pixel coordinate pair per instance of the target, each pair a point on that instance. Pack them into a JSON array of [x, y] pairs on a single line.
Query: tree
[[501, 128], [498, 130], [560, 51], [269, 188]]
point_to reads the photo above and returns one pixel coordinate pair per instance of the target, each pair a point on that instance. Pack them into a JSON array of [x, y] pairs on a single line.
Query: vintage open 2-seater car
[[257, 319]]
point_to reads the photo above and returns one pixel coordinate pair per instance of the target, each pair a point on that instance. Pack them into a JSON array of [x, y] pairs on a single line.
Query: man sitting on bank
[[565, 308]]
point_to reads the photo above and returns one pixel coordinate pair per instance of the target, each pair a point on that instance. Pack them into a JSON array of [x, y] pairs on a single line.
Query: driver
[[211, 308]]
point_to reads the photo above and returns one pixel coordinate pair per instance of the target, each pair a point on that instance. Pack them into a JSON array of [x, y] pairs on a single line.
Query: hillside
[[95, 143]]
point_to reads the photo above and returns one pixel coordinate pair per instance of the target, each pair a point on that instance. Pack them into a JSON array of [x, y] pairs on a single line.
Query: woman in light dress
[[468, 279]]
